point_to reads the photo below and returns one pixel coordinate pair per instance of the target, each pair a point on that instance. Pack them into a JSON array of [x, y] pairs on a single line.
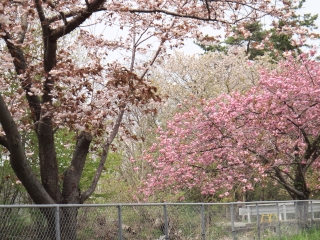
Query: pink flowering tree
[[270, 131]]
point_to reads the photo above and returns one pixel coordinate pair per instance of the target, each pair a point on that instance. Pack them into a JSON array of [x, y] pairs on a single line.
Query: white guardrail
[[274, 210]]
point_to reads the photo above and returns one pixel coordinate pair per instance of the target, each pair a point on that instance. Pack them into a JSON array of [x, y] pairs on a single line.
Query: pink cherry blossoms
[[270, 131]]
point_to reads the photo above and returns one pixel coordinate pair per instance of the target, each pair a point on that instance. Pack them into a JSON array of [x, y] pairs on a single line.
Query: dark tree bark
[[18, 158], [48, 190]]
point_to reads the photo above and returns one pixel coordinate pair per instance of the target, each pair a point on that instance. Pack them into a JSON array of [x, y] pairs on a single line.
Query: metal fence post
[[284, 212], [278, 214], [203, 223], [312, 213], [166, 224], [57, 221], [234, 237], [249, 214], [296, 209], [120, 221], [258, 221]]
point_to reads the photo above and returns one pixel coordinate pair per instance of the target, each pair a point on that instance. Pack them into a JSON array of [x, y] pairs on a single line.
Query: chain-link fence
[[158, 221]]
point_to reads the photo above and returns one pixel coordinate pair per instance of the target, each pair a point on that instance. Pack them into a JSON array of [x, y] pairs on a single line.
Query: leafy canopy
[[270, 131]]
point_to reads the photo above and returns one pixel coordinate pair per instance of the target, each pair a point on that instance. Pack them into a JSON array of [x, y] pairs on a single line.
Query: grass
[[313, 234]]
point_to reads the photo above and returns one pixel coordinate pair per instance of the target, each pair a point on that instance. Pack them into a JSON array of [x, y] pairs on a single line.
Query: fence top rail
[[152, 204], [279, 203]]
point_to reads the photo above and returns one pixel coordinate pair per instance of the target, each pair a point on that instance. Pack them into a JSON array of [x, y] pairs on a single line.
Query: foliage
[[11, 191], [207, 76], [312, 234], [270, 131], [190, 80], [258, 40]]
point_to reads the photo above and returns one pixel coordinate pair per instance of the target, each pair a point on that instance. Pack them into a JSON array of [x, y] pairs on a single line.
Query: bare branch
[[206, 19], [69, 14], [174, 14], [314, 157], [40, 11], [64, 18], [163, 40], [15, 52], [286, 173], [24, 24], [66, 15], [134, 48], [208, 8], [77, 20], [85, 195], [266, 160], [279, 177]]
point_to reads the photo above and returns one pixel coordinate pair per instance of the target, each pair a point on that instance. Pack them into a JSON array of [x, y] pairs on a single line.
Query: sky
[[310, 6]]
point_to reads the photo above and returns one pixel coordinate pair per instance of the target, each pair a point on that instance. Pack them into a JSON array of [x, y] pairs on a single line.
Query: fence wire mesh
[[163, 221]]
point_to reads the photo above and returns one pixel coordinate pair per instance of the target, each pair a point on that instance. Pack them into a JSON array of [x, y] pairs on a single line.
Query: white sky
[[312, 6]]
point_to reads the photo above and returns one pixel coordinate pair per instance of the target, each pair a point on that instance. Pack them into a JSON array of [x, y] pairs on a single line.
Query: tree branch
[[154, 58], [315, 143], [48, 159], [72, 175], [174, 14], [42, 17], [266, 160], [85, 195], [208, 8], [18, 158], [24, 23], [286, 173], [4, 141], [43, 116], [288, 190], [315, 156], [284, 183], [69, 14], [49, 47], [163, 40], [20, 67], [207, 19], [77, 20], [15, 52]]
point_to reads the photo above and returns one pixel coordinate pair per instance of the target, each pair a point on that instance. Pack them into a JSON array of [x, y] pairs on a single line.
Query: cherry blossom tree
[[183, 82], [179, 78], [271, 131], [43, 90]]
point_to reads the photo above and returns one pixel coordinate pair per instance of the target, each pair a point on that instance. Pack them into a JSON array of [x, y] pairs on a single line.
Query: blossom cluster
[[270, 131]]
